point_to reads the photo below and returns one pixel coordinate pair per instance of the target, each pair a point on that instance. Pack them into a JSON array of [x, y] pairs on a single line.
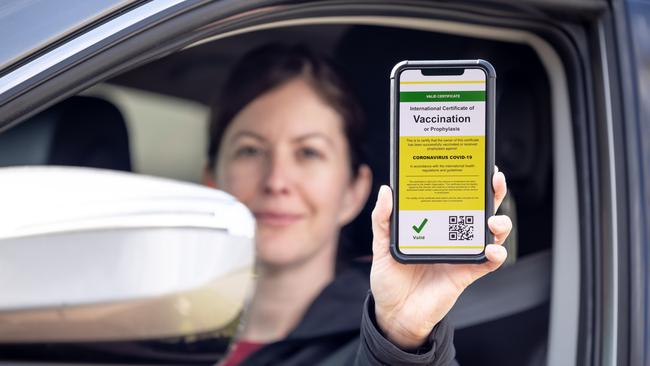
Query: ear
[[208, 177], [356, 195]]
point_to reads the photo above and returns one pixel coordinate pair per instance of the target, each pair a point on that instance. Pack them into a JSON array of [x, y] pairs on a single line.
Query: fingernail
[[499, 220], [501, 250], [381, 191], [502, 220]]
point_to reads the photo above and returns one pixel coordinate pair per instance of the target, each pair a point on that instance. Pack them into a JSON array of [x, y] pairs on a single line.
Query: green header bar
[[443, 96]]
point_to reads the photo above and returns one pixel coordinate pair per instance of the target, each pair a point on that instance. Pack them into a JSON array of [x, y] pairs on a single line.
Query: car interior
[[153, 120]]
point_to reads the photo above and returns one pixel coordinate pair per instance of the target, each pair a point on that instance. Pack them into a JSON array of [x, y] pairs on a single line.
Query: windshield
[[28, 25]]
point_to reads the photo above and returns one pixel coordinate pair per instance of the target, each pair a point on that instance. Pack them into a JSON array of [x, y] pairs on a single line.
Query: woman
[[285, 140]]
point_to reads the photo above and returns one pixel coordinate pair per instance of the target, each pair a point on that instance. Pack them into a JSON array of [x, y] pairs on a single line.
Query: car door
[[597, 52]]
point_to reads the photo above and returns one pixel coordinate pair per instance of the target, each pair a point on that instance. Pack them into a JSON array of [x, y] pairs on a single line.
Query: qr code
[[461, 227]]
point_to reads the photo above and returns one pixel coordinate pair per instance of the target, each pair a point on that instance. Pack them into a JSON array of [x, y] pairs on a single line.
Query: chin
[[276, 253], [277, 259]]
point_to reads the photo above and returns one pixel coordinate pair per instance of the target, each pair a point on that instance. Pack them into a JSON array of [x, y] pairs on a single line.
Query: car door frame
[[613, 226]]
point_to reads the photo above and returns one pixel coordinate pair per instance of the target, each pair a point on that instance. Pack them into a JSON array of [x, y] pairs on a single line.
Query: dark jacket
[[339, 329]]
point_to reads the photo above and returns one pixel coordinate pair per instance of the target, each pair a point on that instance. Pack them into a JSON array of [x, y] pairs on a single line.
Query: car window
[[166, 130]]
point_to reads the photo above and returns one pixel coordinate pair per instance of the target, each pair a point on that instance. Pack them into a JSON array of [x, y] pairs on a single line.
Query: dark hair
[[268, 67]]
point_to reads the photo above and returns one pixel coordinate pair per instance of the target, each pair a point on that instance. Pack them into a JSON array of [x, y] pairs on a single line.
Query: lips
[[279, 219]]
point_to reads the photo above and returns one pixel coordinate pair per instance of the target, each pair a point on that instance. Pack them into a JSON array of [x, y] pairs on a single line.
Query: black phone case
[[489, 158]]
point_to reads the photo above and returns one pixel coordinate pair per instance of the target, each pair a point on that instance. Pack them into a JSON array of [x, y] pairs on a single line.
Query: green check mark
[[419, 228]]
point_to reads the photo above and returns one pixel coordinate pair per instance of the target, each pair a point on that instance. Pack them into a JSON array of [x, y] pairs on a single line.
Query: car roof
[[27, 26]]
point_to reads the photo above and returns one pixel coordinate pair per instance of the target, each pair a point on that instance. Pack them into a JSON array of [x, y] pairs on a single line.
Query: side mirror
[[96, 255]]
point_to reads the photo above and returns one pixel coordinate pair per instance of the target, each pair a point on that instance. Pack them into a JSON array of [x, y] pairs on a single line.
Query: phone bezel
[[489, 157]]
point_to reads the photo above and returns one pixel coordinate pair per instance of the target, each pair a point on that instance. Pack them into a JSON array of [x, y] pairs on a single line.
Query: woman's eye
[[309, 153], [247, 151]]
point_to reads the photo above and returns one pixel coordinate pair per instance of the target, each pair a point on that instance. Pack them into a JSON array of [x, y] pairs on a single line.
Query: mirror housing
[[97, 255]]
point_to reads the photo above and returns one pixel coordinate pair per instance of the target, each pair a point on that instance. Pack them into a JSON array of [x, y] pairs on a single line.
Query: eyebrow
[[306, 136], [315, 135], [248, 134]]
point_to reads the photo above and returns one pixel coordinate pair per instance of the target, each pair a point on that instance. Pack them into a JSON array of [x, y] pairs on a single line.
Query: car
[[572, 132]]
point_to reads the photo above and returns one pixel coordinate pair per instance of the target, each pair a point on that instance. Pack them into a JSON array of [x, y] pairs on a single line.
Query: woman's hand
[[410, 299]]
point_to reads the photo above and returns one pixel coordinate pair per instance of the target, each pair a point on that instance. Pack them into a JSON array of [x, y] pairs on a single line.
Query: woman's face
[[286, 157]]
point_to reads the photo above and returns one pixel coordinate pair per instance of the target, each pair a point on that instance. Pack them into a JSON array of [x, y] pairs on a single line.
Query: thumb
[[381, 221]]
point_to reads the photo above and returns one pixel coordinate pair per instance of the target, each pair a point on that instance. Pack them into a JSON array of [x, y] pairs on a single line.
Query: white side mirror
[[96, 255]]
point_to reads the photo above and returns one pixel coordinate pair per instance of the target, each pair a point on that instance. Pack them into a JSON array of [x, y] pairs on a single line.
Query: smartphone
[[442, 160]]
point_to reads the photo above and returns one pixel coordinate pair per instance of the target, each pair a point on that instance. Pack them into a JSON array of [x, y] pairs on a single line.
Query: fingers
[[500, 226], [496, 255], [499, 186], [381, 221]]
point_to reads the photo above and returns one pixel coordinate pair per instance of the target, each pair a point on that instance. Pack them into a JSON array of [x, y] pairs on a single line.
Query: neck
[[282, 296]]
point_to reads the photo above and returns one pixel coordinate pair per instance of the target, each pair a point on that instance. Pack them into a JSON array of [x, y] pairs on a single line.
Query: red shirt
[[239, 351]]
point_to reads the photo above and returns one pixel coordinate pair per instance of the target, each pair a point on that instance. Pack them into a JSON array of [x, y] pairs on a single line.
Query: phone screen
[[441, 161]]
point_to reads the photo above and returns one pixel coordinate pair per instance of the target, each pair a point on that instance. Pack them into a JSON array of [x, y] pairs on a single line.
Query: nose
[[278, 175]]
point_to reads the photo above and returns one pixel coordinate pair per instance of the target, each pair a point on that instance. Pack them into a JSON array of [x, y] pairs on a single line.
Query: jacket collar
[[338, 308]]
